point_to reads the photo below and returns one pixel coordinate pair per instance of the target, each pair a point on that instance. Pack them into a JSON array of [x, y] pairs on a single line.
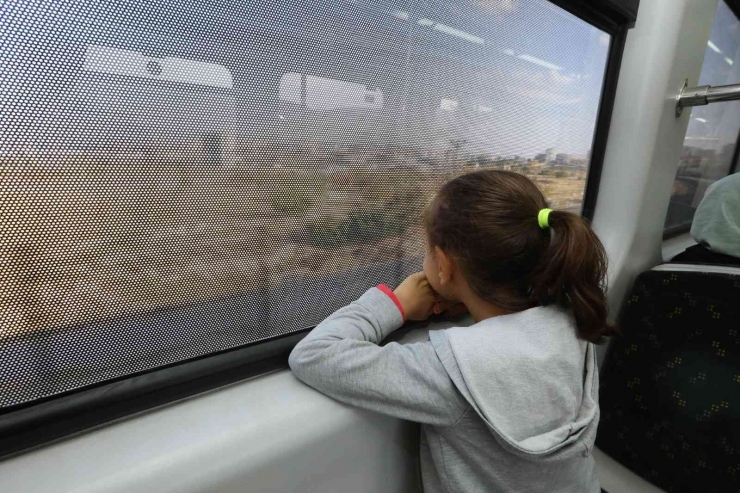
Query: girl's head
[[484, 237]]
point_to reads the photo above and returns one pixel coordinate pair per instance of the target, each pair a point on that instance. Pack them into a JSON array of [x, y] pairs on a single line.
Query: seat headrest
[[715, 269]]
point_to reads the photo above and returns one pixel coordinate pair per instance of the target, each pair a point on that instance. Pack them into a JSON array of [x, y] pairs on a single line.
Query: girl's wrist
[[393, 295]]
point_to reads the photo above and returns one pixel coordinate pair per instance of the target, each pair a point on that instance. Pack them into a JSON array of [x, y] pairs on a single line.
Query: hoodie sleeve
[[342, 359]]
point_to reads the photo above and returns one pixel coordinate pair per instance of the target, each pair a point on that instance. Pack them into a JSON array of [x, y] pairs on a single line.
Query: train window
[[709, 149], [179, 179]]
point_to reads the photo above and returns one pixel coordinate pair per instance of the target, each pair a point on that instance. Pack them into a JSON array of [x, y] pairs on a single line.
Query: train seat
[[670, 385]]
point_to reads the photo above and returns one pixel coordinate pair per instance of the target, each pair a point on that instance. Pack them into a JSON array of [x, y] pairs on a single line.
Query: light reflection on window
[[322, 93]]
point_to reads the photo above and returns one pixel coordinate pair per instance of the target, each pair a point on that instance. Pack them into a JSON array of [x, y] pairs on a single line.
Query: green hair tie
[[542, 218]]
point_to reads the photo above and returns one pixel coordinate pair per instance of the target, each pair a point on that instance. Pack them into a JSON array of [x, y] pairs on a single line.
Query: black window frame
[[26, 426]]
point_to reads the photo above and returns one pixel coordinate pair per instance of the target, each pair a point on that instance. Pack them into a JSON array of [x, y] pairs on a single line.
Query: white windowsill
[[676, 245]]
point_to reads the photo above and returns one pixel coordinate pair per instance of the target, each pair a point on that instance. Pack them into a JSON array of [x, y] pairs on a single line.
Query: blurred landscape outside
[[160, 236]]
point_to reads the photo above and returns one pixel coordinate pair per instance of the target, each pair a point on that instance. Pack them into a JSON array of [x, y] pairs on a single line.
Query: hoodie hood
[[716, 223], [530, 379]]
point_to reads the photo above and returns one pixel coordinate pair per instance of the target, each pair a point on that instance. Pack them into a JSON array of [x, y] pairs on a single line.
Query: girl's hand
[[417, 297], [420, 301]]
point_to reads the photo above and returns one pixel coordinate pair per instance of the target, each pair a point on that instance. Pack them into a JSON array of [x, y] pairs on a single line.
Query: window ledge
[[674, 246]]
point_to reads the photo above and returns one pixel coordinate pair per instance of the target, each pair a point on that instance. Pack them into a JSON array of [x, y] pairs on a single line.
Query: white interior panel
[[665, 47], [268, 434], [676, 245]]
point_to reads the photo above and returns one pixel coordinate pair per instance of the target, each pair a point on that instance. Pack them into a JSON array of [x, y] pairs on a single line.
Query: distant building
[[551, 154], [578, 160], [562, 158], [540, 157]]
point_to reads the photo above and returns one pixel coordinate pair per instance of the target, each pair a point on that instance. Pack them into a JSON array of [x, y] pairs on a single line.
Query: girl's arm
[[342, 359]]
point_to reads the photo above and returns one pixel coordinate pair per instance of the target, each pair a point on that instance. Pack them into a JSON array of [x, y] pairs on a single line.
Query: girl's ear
[[445, 266]]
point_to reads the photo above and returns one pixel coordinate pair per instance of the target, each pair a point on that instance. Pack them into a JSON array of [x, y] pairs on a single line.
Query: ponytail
[[492, 223], [572, 273]]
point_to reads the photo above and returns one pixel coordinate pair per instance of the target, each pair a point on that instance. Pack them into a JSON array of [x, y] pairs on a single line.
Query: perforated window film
[[180, 178]]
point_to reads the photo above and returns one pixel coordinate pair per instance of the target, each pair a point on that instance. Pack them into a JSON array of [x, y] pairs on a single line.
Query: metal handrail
[[702, 95]]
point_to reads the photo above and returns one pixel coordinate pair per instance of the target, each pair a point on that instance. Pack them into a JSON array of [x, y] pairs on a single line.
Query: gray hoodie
[[509, 404]]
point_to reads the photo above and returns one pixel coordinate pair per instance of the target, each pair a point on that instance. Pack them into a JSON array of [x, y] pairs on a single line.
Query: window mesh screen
[[179, 178]]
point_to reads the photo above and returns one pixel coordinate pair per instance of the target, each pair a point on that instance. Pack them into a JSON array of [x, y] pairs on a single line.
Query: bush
[[292, 203], [387, 204], [293, 193], [357, 228], [326, 233]]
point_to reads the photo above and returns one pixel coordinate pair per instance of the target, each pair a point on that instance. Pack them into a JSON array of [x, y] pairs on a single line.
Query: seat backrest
[[670, 385]]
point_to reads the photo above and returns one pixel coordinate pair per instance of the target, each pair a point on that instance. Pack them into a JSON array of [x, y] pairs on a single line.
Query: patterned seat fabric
[[670, 385]]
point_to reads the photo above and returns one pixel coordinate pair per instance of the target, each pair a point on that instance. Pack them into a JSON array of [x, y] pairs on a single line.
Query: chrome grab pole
[[702, 95]]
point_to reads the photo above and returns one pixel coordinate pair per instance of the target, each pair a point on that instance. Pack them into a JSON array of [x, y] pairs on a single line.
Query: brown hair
[[487, 221]]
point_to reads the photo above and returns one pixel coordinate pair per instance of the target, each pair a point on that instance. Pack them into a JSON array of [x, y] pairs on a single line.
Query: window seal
[[35, 423], [608, 15], [734, 6], [735, 156], [616, 18], [603, 123]]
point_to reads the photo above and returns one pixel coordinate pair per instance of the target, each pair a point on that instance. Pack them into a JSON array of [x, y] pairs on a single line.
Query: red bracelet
[[393, 298]]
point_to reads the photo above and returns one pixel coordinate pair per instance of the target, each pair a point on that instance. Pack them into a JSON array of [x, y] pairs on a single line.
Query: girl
[[509, 404]]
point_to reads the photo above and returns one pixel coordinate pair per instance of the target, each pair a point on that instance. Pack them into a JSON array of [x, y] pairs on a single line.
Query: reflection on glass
[[712, 134], [115, 61], [322, 93], [448, 105]]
